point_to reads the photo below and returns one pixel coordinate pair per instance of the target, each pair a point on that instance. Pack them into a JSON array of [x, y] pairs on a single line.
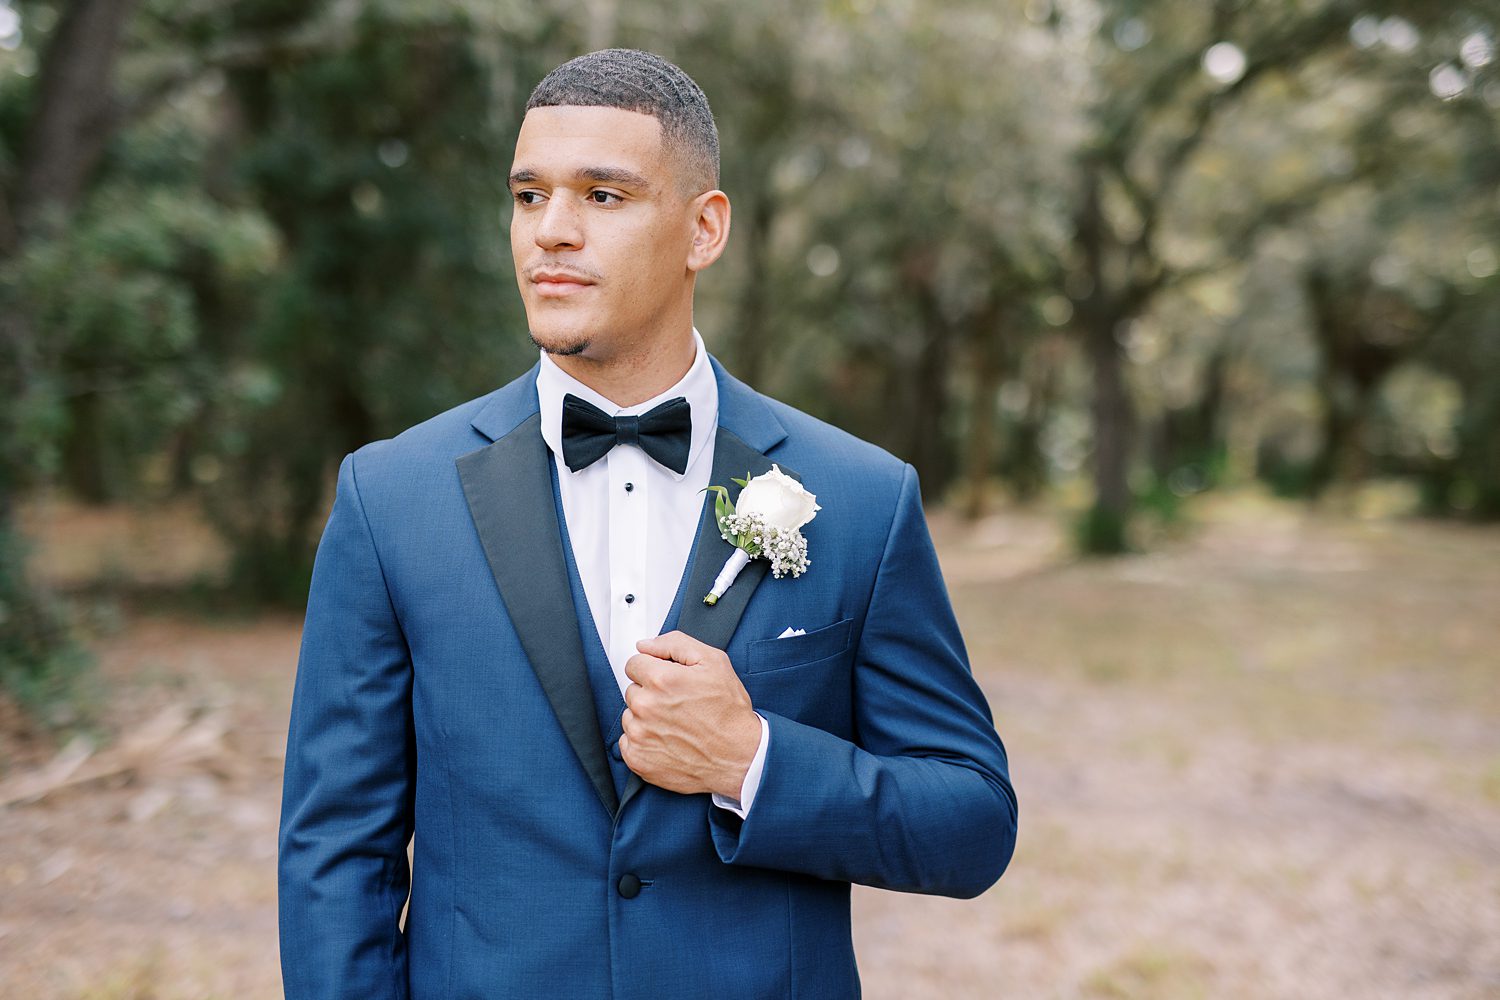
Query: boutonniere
[[768, 522]]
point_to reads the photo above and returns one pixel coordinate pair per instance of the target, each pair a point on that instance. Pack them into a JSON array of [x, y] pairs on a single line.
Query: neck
[[634, 377]]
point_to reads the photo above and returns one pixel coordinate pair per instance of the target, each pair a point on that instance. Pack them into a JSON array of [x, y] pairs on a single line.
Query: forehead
[[570, 138]]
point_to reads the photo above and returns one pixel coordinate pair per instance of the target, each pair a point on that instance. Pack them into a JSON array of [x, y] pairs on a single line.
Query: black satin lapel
[[733, 458], [633, 784], [509, 490]]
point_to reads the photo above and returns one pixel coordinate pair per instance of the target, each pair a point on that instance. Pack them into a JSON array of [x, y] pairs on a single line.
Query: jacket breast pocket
[[795, 650]]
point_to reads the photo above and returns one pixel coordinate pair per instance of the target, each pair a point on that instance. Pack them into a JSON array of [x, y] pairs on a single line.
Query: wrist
[[743, 743]]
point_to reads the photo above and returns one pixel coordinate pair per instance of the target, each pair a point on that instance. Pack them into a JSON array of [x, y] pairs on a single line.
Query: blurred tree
[[1168, 73], [1364, 332], [1392, 253], [894, 213], [50, 153], [376, 167], [240, 239]]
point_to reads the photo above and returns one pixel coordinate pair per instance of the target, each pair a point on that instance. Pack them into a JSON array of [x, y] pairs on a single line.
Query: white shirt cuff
[[751, 783]]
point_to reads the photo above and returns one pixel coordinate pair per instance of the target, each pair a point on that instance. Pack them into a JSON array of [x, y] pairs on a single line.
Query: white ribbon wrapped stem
[[732, 566]]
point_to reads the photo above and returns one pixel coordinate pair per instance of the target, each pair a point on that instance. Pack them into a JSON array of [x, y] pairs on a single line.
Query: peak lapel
[[509, 491], [747, 430], [715, 625]]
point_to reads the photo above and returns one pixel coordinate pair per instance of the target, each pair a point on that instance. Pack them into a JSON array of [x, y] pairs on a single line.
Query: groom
[[618, 790]]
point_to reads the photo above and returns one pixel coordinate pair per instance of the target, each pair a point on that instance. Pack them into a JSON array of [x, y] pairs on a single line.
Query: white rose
[[779, 499]]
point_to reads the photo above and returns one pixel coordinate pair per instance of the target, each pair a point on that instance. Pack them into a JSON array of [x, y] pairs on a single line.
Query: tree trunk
[[86, 448], [928, 417], [1103, 317], [1190, 436], [1114, 425], [985, 351], [752, 349], [75, 112]]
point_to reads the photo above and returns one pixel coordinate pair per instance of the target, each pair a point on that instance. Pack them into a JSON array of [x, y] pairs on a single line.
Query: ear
[[710, 214]]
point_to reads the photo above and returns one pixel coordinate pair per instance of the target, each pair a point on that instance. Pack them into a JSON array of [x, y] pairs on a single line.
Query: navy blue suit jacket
[[441, 689]]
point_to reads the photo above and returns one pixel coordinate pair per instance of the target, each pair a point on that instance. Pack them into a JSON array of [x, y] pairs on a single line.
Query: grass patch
[[1489, 782], [139, 978], [1151, 972]]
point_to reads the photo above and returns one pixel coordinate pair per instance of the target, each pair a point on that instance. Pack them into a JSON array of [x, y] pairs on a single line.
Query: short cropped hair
[[633, 80]]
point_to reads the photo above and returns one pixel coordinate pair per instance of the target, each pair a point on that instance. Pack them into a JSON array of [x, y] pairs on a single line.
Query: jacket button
[[630, 886]]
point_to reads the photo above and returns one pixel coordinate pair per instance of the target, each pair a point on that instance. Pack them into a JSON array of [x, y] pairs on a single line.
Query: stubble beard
[[566, 349]]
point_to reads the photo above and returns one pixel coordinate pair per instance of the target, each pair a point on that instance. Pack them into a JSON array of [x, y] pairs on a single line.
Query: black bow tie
[[664, 432]]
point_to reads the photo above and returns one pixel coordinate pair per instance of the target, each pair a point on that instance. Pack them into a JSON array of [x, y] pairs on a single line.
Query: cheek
[[519, 237], [638, 257], [664, 250]]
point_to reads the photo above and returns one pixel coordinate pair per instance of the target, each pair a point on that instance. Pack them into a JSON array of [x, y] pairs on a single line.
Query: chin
[[565, 342]]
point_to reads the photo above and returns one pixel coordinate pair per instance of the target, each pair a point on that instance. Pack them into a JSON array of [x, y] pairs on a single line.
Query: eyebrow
[[604, 175]]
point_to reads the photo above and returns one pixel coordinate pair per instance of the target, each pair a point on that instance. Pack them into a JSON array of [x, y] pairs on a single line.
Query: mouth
[[557, 284]]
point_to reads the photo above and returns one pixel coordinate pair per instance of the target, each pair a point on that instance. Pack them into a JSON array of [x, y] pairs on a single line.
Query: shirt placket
[[629, 490]]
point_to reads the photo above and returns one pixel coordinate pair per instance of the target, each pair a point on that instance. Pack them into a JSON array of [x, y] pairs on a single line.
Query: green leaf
[[722, 507]]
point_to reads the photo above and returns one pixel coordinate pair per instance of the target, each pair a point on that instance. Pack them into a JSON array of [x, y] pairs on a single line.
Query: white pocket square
[[792, 631]]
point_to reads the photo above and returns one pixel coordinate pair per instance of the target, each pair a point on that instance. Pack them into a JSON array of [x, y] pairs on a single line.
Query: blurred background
[[1186, 311]]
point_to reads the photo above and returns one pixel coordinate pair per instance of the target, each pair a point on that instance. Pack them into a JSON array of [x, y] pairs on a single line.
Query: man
[[617, 789]]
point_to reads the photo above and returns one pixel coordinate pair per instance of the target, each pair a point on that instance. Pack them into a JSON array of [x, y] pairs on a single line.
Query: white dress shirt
[[632, 522]]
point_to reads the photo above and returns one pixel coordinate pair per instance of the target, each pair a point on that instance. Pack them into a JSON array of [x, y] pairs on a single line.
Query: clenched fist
[[688, 725]]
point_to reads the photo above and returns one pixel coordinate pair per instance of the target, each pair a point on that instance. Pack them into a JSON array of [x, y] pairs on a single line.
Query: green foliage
[[123, 295], [42, 664], [293, 243], [389, 304], [724, 507]]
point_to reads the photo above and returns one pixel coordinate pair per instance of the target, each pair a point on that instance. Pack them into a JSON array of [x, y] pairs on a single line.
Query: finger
[[640, 668], [627, 719], [677, 646], [630, 691]]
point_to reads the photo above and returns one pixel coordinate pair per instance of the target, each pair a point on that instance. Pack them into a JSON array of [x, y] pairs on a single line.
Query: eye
[[604, 197], [528, 197]]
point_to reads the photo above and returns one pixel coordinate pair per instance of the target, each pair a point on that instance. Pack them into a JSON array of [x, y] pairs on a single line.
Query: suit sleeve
[[921, 801], [347, 796]]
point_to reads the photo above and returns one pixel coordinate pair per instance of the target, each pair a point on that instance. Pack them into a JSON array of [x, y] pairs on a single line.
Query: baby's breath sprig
[[772, 528]]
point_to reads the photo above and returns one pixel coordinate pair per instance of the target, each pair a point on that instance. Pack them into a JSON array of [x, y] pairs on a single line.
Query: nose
[[559, 226]]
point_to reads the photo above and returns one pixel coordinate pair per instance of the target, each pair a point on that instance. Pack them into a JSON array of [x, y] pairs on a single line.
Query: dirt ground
[[1261, 761]]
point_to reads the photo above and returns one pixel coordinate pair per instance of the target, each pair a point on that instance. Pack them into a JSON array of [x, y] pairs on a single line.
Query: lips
[[554, 284]]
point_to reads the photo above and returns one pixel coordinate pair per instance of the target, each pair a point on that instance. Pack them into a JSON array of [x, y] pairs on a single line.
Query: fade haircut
[[633, 80]]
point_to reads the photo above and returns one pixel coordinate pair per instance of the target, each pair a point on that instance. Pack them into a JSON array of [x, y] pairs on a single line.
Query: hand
[[688, 726]]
